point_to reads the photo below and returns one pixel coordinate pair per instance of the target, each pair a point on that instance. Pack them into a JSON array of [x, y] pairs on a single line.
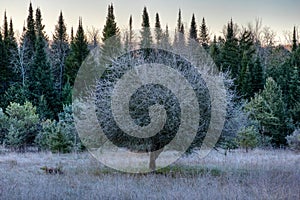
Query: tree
[[165, 41], [193, 29], [129, 36], [248, 137], [204, 35], [214, 52], [110, 28], [146, 38], [269, 109], [158, 30], [79, 51], [39, 27], [230, 53], [59, 52], [30, 36], [22, 123], [258, 77], [294, 45]]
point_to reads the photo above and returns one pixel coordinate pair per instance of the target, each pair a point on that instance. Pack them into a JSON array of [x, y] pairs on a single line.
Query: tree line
[[42, 71]]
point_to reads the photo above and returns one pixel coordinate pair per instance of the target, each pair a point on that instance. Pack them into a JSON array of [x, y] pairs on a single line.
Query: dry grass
[[260, 174]]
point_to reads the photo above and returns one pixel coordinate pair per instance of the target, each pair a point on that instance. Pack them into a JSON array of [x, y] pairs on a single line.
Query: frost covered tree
[[193, 29]]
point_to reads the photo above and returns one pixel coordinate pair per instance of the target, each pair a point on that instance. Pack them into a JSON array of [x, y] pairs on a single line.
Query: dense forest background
[[37, 73]]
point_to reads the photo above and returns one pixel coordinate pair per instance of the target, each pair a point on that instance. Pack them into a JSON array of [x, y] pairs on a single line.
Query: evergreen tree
[[158, 30], [230, 53], [294, 45], [129, 36], [79, 51], [41, 82], [59, 52], [165, 41], [269, 110], [204, 36], [215, 52], [193, 29], [30, 35], [179, 22], [39, 27], [110, 28], [3, 68], [258, 77], [146, 38]]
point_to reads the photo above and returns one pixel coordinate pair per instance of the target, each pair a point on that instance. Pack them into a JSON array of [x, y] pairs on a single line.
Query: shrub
[[23, 125], [248, 138], [294, 140], [3, 124]]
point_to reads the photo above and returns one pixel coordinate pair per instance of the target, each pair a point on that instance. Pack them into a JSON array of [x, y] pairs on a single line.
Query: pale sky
[[280, 15]]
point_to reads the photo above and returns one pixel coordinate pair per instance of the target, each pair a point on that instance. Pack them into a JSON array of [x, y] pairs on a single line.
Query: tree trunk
[[153, 156]]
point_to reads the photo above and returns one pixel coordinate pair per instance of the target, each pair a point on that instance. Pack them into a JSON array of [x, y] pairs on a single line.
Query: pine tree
[[165, 41], [258, 77], [30, 35], [179, 22], [158, 30], [59, 52], [79, 51], [3, 68], [39, 27], [193, 29], [230, 53], [215, 52], [294, 45], [204, 36], [146, 38], [110, 28], [269, 109]]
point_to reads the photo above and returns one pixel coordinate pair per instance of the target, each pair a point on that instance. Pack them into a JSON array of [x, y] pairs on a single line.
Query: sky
[[280, 15]]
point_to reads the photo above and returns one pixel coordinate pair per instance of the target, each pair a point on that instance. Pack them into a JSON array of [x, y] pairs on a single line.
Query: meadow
[[259, 174]]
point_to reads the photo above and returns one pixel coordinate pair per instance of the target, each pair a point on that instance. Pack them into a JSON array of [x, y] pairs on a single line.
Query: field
[[259, 174]]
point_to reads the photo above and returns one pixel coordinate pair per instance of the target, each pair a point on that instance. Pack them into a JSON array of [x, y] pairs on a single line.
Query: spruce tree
[[258, 77], [179, 22], [110, 28], [39, 27], [204, 36], [146, 38], [215, 52], [59, 52], [294, 45], [193, 29], [30, 35], [165, 41], [158, 30], [230, 53], [129, 36], [3, 68], [79, 51], [269, 109]]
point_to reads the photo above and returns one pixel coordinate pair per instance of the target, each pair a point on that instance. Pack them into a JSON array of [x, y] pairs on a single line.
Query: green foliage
[[79, 51], [59, 143], [110, 28], [294, 140], [3, 126], [247, 138], [268, 108], [23, 125]]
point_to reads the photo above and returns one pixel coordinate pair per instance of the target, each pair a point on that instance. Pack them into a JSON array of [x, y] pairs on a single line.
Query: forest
[[38, 71]]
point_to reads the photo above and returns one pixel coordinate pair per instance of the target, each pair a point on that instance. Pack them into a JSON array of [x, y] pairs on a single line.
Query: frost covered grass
[[259, 174]]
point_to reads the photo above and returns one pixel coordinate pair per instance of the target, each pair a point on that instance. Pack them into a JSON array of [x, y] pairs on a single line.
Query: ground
[[259, 174]]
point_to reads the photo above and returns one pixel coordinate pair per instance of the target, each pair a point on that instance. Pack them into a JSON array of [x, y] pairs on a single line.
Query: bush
[[3, 124], [294, 140], [248, 137], [23, 125]]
